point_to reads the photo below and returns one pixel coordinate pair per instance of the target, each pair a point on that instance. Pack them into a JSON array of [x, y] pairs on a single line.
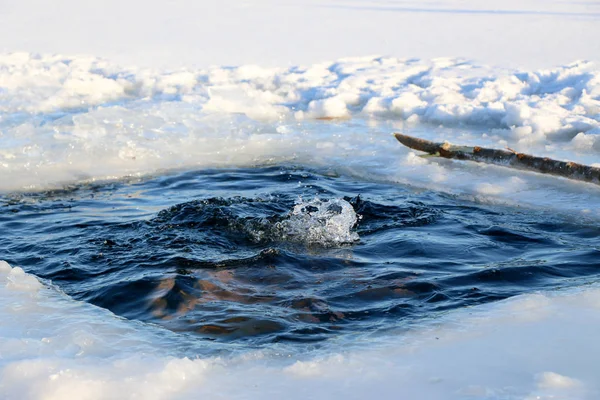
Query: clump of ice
[[552, 380], [319, 222], [17, 279]]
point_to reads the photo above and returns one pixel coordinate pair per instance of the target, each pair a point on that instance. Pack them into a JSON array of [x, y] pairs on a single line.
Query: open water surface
[[284, 254]]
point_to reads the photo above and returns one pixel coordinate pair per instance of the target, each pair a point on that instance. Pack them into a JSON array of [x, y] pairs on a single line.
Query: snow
[[521, 33], [521, 348], [78, 118], [103, 90], [561, 101]]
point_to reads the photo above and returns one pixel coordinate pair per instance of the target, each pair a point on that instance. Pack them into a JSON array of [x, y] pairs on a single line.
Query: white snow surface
[[537, 346], [303, 92], [175, 33], [68, 119]]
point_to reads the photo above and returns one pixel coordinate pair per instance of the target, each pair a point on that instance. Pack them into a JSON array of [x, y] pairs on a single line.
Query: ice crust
[[538, 346], [72, 119]]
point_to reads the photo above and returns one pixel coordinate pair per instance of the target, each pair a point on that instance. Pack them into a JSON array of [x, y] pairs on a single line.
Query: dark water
[[213, 254]]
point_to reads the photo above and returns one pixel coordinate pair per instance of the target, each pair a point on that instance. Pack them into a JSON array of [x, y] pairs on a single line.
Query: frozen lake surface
[[231, 217]]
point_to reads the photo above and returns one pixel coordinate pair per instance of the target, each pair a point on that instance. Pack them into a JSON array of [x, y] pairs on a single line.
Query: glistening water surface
[[286, 254]]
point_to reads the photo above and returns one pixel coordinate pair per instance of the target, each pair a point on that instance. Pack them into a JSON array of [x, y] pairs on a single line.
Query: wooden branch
[[504, 158]]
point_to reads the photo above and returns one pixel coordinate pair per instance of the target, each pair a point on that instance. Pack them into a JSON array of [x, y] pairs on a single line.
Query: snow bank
[[70, 119], [534, 105], [539, 346]]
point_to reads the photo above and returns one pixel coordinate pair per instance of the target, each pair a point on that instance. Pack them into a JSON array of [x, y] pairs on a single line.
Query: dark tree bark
[[504, 158]]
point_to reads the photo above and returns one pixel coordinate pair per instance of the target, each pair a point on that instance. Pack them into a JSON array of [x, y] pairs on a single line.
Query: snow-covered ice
[[518, 33], [109, 89], [530, 347], [75, 118]]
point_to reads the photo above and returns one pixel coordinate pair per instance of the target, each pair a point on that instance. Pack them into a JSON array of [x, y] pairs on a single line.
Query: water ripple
[[254, 256]]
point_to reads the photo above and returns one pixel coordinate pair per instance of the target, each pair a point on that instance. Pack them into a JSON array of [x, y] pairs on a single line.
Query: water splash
[[326, 223]]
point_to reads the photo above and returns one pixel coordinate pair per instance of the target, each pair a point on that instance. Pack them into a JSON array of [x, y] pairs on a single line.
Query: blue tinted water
[[209, 254]]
